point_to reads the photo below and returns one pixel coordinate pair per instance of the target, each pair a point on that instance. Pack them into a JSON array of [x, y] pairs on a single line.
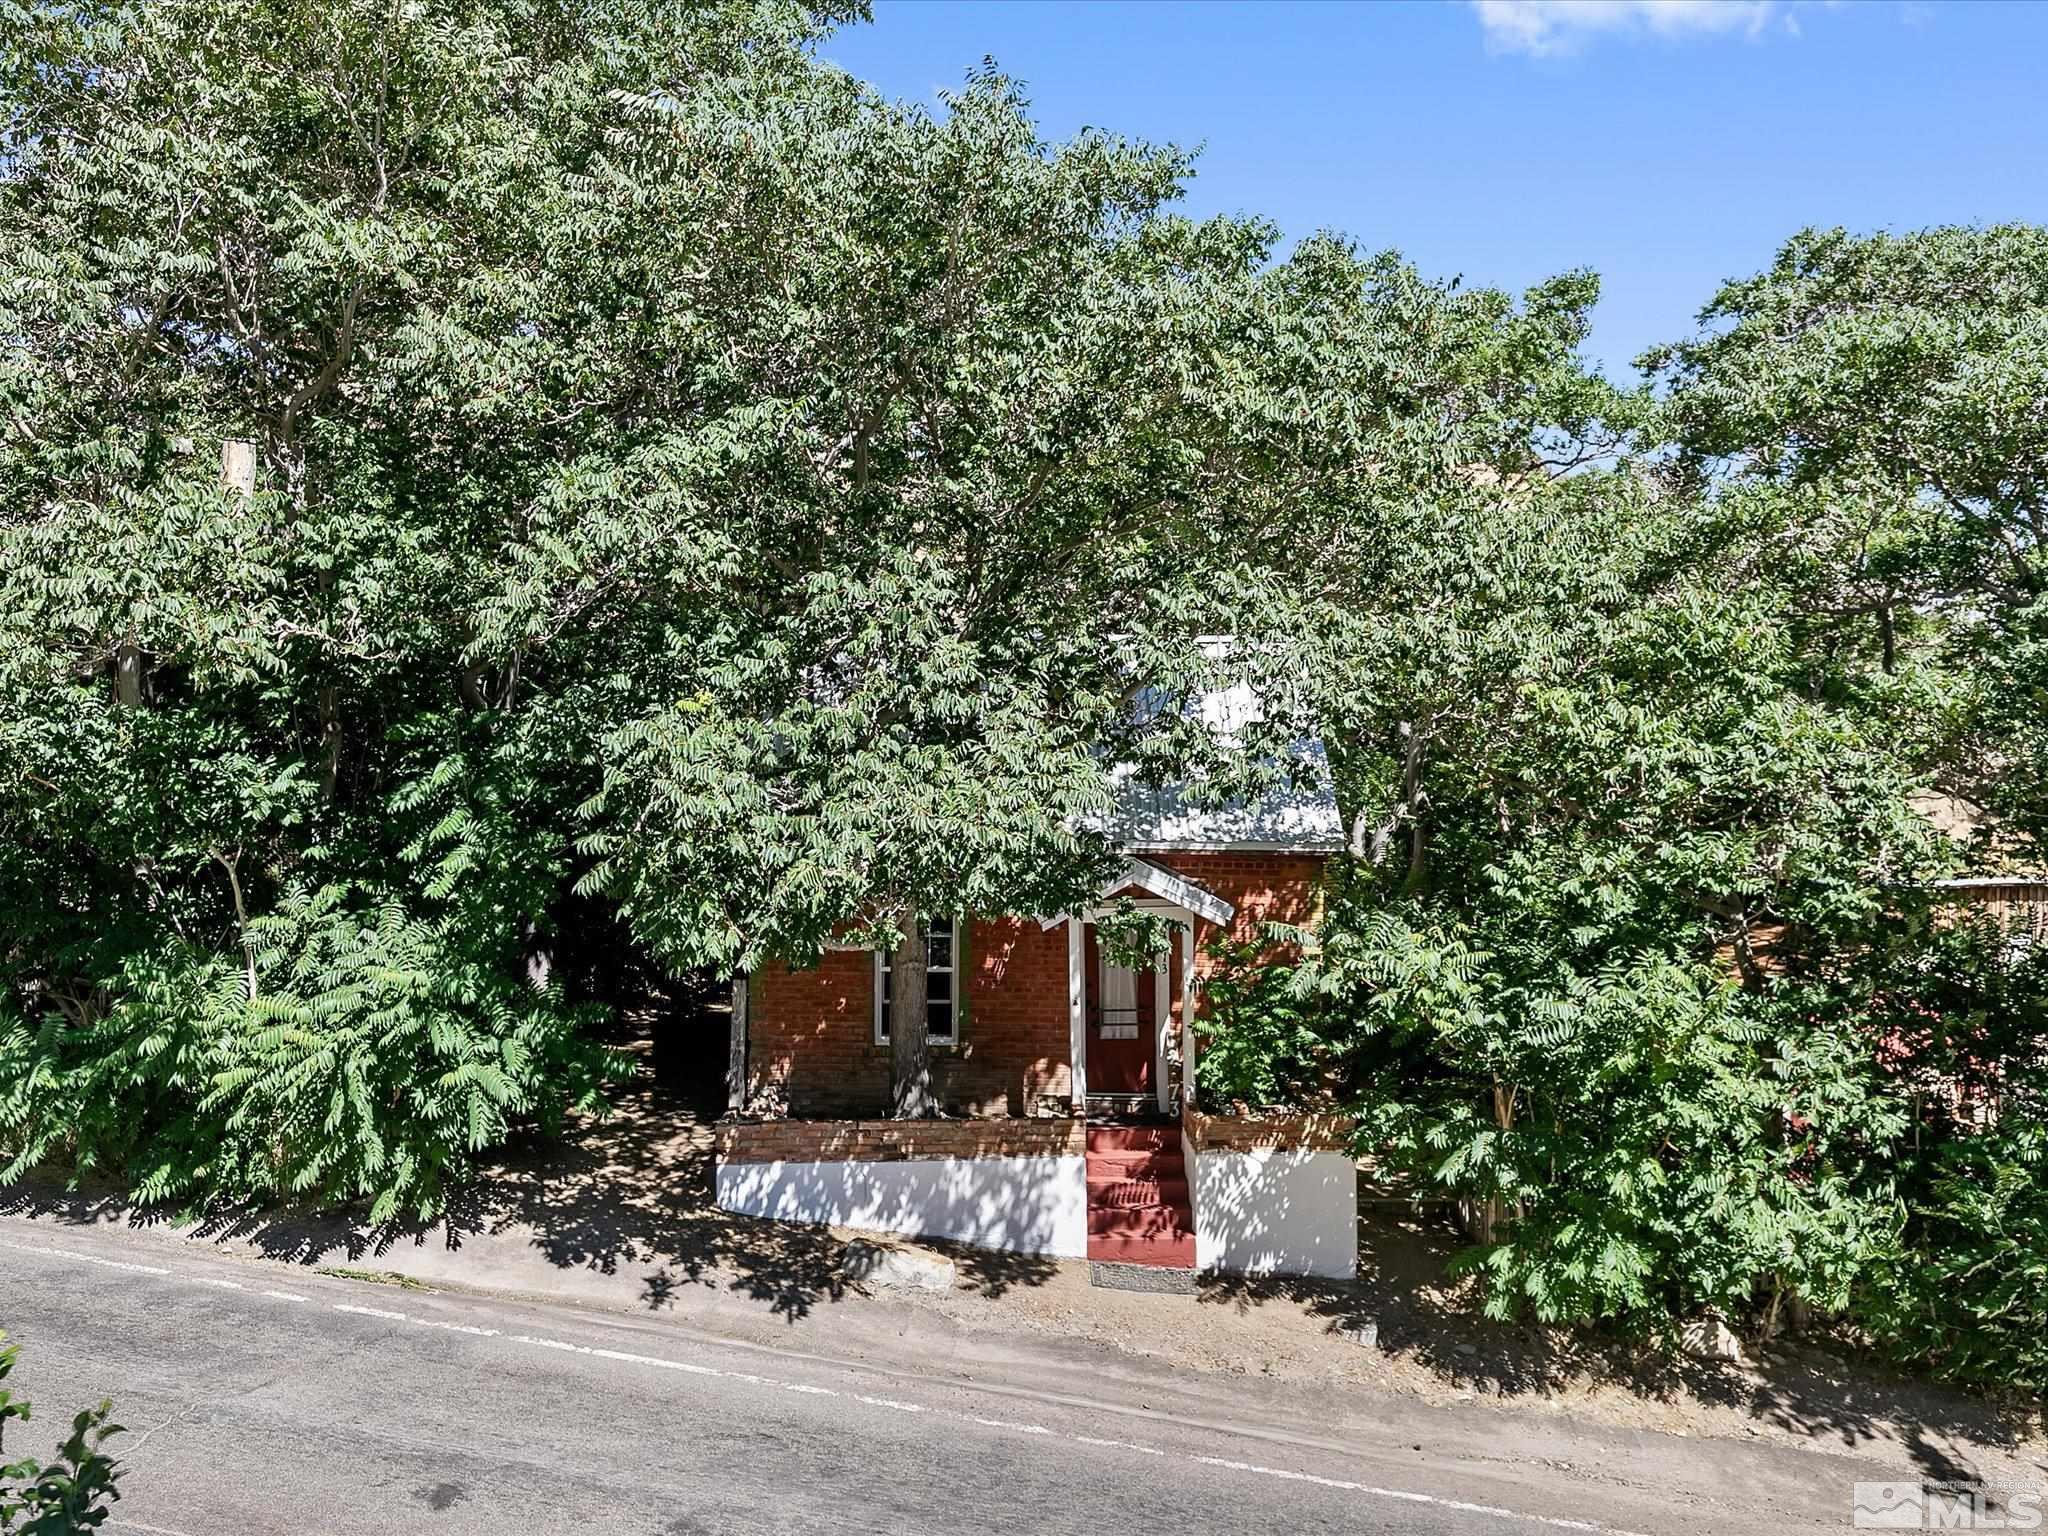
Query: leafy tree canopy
[[475, 473], [463, 457], [1899, 381]]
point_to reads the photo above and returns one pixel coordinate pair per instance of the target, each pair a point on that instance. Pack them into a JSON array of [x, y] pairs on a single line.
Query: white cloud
[[1559, 26]]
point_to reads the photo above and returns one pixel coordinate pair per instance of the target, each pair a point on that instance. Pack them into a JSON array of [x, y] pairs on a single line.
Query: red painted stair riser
[[1138, 1200]]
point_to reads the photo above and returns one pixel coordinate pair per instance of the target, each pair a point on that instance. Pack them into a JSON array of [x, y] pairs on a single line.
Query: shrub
[[1965, 1294], [379, 1053], [65, 1496], [1263, 1042]]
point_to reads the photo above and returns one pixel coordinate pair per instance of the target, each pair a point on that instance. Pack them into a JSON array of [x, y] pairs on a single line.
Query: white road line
[[891, 1402], [87, 1258], [1407, 1497], [687, 1367], [691, 1368], [779, 1386], [431, 1322], [395, 1317], [143, 1269], [1121, 1445], [751, 1379], [574, 1349]]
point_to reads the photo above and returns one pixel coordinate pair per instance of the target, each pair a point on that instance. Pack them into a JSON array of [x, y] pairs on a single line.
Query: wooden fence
[[2019, 903]]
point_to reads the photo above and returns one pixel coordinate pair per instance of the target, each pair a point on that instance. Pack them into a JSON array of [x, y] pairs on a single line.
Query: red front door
[[1122, 1024]]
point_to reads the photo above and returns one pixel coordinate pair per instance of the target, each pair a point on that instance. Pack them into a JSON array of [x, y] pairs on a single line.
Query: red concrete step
[[1132, 1138], [1139, 1220], [1138, 1206], [1150, 1171], [1160, 1252], [1136, 1163], [1139, 1189]]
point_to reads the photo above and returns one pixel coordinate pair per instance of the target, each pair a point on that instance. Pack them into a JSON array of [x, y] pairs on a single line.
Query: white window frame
[[881, 1013]]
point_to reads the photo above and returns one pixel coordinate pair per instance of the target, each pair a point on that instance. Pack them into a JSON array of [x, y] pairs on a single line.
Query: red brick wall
[[1264, 887], [811, 1035], [1320, 1133], [811, 1043], [887, 1141]]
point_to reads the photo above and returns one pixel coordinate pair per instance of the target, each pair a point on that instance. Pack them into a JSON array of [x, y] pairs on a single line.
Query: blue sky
[[1667, 144]]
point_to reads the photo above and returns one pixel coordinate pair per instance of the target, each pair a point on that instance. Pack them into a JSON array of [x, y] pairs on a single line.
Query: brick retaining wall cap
[[885, 1141], [1317, 1133]]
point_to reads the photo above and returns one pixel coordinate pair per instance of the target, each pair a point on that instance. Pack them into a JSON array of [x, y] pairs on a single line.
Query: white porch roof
[[1163, 883]]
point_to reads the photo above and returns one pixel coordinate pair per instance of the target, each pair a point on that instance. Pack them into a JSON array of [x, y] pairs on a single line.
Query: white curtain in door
[[1119, 1002]]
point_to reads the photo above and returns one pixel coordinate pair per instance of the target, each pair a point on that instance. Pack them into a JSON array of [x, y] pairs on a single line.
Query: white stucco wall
[[1281, 1211], [1018, 1204]]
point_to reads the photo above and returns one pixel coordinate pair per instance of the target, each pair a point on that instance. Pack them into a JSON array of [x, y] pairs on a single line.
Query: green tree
[[1897, 381], [1870, 408], [287, 819], [464, 457], [956, 554], [1598, 996], [1617, 813]]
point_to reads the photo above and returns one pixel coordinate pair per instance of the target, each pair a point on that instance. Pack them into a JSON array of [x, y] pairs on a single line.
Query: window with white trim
[[942, 1004]]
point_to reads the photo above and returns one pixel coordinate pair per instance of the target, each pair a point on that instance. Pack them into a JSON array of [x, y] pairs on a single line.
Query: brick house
[[1009, 994], [1063, 1075]]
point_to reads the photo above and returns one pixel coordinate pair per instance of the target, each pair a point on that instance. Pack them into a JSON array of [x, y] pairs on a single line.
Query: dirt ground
[[1431, 1346], [621, 1211], [637, 1189]]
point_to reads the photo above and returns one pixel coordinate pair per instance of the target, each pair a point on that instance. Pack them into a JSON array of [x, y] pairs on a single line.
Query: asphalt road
[[261, 1400]]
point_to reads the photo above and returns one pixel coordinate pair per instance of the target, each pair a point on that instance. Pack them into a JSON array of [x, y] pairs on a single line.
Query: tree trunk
[[1483, 1218], [736, 1051], [1412, 801], [909, 1053], [238, 465], [330, 743], [233, 866], [128, 676]]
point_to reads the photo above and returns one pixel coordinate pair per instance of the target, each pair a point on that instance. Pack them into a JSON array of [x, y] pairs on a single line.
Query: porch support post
[[1190, 1048], [736, 1053], [1077, 1008], [1162, 1003]]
